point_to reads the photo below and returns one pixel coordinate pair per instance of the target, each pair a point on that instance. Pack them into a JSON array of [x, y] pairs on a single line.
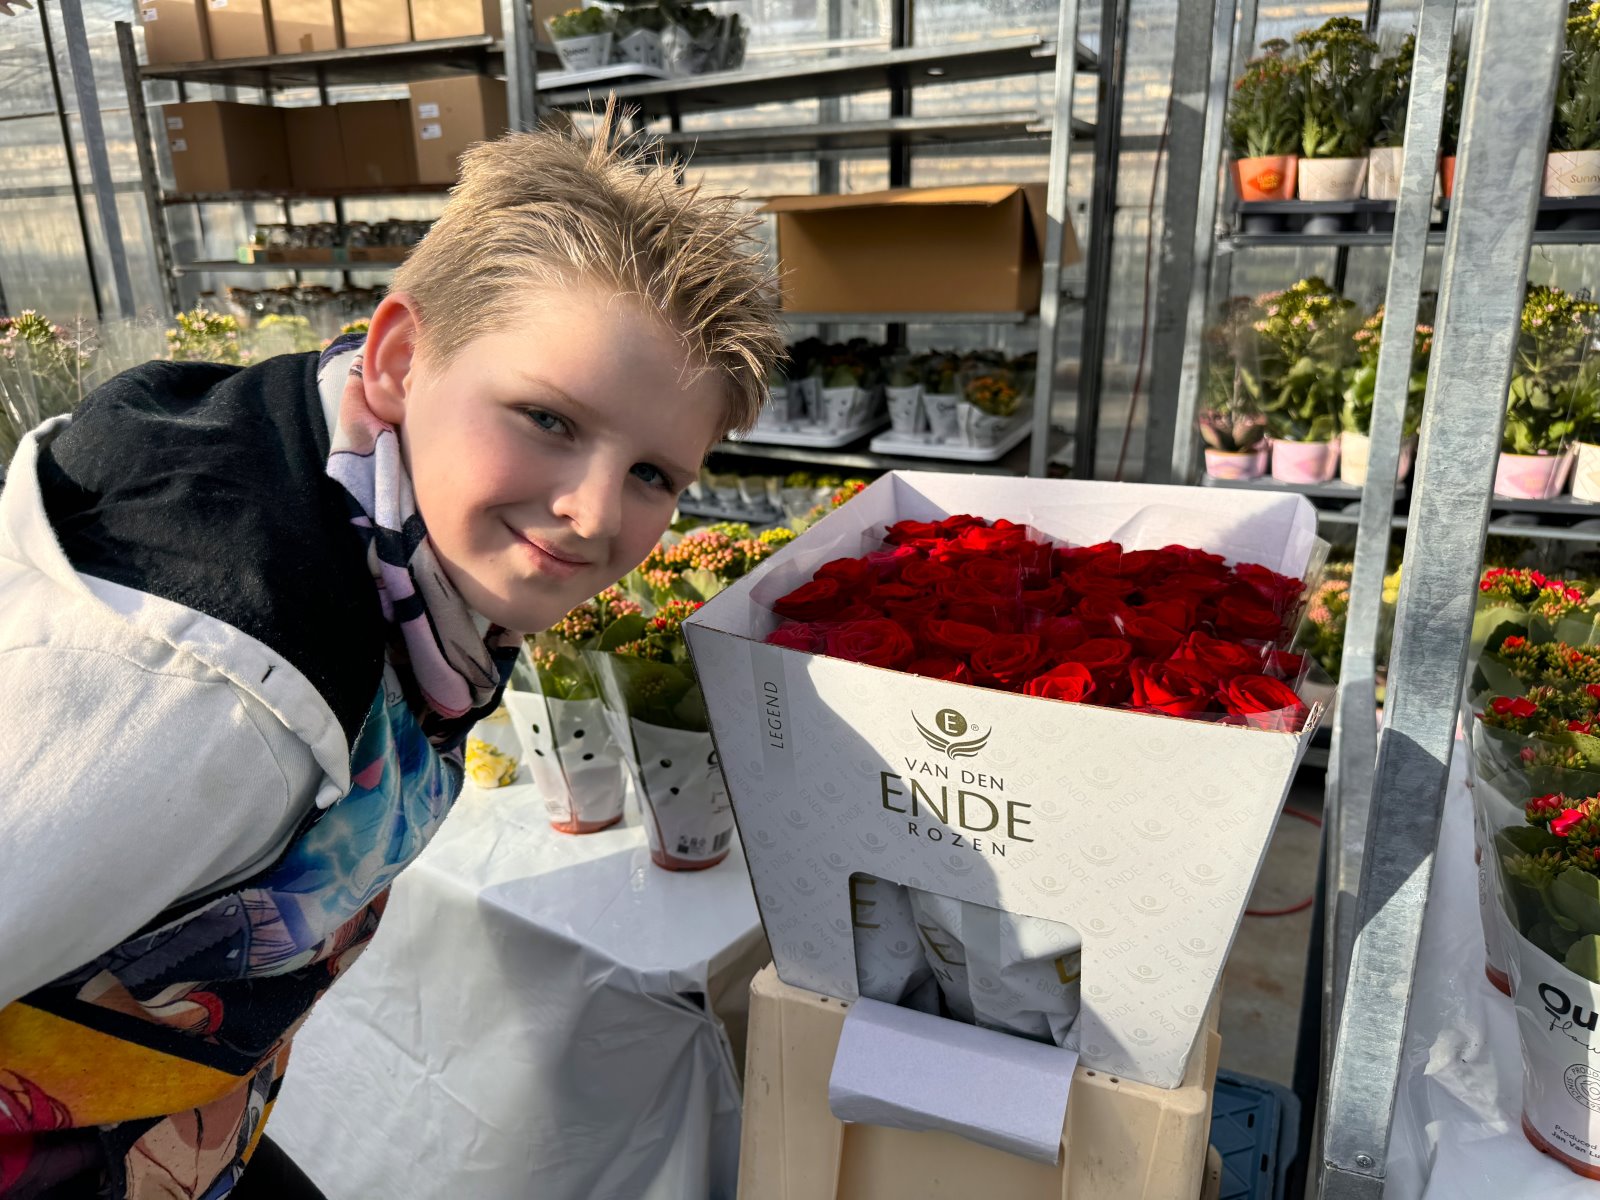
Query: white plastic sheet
[[1457, 1129], [532, 1020]]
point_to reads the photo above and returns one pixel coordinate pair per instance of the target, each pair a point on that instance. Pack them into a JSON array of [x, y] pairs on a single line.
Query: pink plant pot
[[1237, 464], [1304, 462], [1531, 476]]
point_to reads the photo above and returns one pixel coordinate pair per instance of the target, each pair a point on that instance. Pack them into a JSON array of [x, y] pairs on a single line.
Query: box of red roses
[[1070, 702]]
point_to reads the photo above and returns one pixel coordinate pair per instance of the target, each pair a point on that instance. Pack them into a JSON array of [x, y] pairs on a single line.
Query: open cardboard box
[[1143, 832], [868, 251]]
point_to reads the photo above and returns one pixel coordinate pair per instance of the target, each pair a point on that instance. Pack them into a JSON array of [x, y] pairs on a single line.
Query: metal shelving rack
[[1386, 786], [899, 70]]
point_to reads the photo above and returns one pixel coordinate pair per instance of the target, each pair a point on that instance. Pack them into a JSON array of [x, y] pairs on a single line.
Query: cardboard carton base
[[1122, 1140]]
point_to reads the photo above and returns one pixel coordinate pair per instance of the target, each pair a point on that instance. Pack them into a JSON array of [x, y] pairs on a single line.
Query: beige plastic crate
[[1122, 1140]]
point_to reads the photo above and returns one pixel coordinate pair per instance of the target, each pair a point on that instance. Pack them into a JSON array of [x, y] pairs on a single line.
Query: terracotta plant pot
[[1332, 178], [1354, 449], [1586, 472], [1383, 172], [1237, 464], [1531, 476], [1270, 177], [1572, 173], [1304, 462], [1447, 174]]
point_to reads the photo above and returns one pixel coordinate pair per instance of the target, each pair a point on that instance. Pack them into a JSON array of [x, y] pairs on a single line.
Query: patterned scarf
[[452, 665]]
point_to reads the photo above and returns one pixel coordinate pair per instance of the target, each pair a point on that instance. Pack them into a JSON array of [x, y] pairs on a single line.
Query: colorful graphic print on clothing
[[149, 1072]]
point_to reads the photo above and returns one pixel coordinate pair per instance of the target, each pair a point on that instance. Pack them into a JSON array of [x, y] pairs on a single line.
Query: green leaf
[[1575, 896], [1583, 958], [621, 631]]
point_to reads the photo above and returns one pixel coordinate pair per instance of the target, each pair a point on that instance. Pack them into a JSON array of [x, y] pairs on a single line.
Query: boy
[[247, 617]]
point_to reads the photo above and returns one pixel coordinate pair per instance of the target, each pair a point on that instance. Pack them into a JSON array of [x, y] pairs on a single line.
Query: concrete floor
[[1262, 982]]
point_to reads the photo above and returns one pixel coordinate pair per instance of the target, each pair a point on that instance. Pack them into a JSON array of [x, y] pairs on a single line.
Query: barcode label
[[179, 145], [427, 110], [150, 14], [720, 842], [432, 132], [174, 124]]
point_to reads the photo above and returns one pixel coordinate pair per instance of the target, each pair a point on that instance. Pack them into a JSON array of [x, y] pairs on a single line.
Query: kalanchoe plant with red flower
[[1176, 631], [1518, 602], [1550, 876]]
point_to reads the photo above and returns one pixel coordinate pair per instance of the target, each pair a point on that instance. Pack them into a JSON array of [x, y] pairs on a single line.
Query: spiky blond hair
[[551, 209]]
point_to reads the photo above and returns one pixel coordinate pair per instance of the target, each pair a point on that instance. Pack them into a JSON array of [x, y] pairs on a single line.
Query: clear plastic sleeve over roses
[[999, 605], [966, 961]]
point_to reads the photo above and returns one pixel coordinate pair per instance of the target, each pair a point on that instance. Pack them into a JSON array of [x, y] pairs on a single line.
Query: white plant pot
[[1572, 173], [1560, 1054], [984, 430], [584, 53], [642, 46], [844, 407], [574, 761], [1332, 178], [809, 392], [1354, 449], [682, 797], [1383, 172], [1586, 472], [944, 416], [905, 409]]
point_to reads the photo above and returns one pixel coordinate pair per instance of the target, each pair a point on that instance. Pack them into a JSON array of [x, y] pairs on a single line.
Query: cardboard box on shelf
[[448, 115], [174, 30], [305, 26], [316, 148], [432, 20], [239, 28], [379, 254], [1120, 1140], [374, 22], [219, 146], [869, 252], [377, 143], [1064, 812]]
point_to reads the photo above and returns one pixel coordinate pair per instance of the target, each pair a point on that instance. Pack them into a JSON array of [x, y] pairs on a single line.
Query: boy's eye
[[654, 476], [547, 421]]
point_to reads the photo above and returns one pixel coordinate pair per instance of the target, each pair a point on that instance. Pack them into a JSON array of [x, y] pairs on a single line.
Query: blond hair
[[555, 208]]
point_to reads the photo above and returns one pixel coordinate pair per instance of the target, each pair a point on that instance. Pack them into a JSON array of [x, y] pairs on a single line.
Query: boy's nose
[[593, 506]]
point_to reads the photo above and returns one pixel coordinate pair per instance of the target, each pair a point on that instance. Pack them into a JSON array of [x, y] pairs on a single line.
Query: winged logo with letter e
[[948, 736]]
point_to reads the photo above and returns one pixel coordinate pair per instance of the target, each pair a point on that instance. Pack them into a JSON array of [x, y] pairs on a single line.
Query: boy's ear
[[393, 338]]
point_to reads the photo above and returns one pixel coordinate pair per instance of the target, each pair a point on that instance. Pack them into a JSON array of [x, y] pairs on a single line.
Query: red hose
[[1309, 900]]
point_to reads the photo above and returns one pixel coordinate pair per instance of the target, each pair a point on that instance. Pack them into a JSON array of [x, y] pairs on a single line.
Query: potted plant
[[705, 41], [1338, 109], [904, 391], [1586, 450], [941, 396], [1455, 88], [1392, 92], [1543, 404], [1355, 421], [1231, 422], [1264, 125], [991, 400], [1304, 348], [637, 36], [797, 493], [1572, 167], [846, 396], [582, 37]]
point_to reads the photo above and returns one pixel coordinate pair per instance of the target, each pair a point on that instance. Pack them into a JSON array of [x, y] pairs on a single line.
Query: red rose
[[1150, 638], [1264, 702], [1069, 681], [1102, 655], [1279, 591], [1069, 558], [997, 576], [850, 572], [956, 637], [992, 613], [1247, 619], [1175, 614], [861, 610], [1101, 577], [1225, 658], [1192, 586], [1050, 597], [1009, 660], [1148, 566], [903, 532], [1057, 634], [877, 643], [951, 526], [815, 601], [1285, 665], [796, 637], [913, 610], [1174, 688], [925, 573], [887, 563], [1003, 536], [1196, 560], [941, 667]]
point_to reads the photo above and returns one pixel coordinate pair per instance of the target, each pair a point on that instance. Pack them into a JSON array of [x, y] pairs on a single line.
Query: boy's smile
[[547, 456]]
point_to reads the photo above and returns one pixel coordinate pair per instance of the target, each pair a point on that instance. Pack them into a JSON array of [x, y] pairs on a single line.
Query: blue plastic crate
[[1255, 1127]]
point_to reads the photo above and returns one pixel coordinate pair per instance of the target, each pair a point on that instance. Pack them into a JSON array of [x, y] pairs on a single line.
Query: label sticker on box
[[427, 110], [219, 3], [179, 145], [151, 14], [432, 132], [174, 123]]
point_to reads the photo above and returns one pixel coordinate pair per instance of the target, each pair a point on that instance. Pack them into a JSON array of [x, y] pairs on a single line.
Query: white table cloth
[[537, 1017], [1457, 1130]]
